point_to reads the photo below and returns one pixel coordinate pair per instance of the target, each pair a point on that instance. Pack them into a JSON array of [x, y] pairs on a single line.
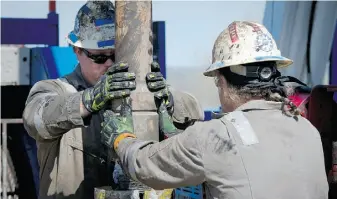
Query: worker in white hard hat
[[64, 115], [260, 148]]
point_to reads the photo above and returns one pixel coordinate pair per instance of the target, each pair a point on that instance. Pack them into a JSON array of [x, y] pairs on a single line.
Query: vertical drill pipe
[[4, 161], [1, 156], [134, 46]]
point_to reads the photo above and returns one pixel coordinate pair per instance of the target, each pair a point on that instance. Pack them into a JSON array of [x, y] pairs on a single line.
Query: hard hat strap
[[250, 83], [283, 85]]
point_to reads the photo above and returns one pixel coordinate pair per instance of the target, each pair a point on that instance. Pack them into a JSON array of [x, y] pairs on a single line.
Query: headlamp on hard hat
[[266, 72], [263, 71], [245, 73]]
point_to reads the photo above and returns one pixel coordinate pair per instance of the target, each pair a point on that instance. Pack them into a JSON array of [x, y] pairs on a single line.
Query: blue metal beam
[[51, 63], [273, 18], [30, 31], [159, 45]]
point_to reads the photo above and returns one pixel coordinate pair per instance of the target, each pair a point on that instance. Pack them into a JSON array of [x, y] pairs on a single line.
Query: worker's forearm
[[165, 122], [175, 162], [49, 114]]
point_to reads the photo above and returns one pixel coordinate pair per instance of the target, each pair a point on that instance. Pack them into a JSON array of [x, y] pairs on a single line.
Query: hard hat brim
[[88, 44], [281, 62]]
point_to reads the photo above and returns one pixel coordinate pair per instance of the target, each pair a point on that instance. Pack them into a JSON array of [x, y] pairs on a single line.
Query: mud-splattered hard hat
[[244, 42], [94, 26]]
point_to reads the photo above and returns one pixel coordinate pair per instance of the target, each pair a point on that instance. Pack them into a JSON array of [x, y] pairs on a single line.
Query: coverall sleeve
[[174, 162], [52, 108]]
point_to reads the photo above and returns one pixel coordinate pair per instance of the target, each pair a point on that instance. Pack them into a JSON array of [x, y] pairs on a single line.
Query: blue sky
[[191, 29], [192, 26]]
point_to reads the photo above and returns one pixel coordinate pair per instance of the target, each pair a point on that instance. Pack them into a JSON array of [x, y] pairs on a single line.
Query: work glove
[[116, 83], [166, 125], [117, 127], [157, 85]]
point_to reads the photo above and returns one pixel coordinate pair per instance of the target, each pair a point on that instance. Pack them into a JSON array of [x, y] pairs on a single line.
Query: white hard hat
[[94, 26], [244, 42]]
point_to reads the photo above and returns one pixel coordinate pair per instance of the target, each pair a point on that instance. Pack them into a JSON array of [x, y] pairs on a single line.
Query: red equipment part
[[301, 101], [52, 6]]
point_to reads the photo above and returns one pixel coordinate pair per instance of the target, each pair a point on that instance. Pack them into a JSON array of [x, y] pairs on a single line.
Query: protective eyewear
[[100, 58]]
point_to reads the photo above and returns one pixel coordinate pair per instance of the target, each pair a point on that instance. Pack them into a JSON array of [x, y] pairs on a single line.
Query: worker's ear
[[77, 50]]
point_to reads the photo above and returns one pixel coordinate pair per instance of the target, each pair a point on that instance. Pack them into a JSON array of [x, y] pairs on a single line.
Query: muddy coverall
[[70, 152], [255, 152]]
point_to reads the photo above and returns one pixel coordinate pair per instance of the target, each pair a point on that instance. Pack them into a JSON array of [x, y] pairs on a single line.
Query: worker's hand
[[157, 84], [116, 83], [117, 127], [166, 125]]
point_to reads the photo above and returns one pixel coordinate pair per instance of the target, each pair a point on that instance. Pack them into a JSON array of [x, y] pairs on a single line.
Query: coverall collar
[[259, 104], [77, 80]]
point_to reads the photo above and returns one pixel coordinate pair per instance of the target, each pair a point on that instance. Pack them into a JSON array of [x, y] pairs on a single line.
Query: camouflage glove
[[157, 84], [117, 127], [166, 125], [115, 83]]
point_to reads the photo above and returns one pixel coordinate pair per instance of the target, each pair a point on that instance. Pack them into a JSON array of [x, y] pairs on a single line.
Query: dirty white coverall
[[255, 152], [69, 148]]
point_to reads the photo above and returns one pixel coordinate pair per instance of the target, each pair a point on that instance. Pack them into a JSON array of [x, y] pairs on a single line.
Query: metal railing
[[4, 185]]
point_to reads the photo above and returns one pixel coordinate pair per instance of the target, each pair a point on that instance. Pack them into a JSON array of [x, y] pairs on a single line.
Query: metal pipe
[[134, 45], [1, 156], [4, 159], [4, 153], [52, 6], [11, 121]]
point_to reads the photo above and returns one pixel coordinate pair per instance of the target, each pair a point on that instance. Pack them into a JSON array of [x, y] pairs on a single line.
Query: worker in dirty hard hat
[[260, 148], [64, 115]]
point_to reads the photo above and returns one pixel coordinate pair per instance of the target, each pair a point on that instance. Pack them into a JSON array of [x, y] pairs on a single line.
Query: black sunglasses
[[100, 58]]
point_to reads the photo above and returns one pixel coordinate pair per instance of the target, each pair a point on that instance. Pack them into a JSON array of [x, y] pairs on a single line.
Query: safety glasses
[[100, 58]]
